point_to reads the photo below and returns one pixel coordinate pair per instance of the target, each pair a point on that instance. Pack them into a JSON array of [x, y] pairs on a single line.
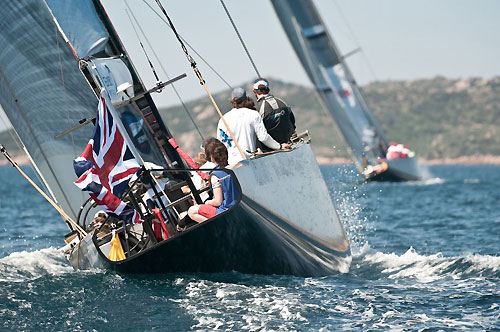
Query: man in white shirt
[[247, 127]]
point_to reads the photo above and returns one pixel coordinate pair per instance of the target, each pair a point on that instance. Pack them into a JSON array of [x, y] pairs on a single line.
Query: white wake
[[23, 265]]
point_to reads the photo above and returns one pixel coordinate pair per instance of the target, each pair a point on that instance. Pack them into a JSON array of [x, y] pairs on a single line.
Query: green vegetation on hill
[[438, 118], [309, 115]]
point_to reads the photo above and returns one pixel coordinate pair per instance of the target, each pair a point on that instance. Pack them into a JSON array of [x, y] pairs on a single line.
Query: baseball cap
[[260, 81], [239, 94]]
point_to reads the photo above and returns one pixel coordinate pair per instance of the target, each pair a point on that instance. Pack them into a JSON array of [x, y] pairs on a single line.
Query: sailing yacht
[[58, 58], [375, 157]]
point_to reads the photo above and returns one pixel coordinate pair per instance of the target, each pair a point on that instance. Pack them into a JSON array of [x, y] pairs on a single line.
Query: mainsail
[[42, 94], [332, 79], [45, 46]]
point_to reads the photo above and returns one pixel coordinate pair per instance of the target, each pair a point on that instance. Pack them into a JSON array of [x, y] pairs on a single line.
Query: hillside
[[439, 118], [308, 113]]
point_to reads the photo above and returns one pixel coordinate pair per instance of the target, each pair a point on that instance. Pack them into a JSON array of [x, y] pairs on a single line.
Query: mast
[[44, 93], [332, 78], [142, 104]]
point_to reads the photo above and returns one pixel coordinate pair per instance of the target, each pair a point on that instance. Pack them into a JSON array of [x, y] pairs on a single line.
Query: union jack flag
[[106, 166]]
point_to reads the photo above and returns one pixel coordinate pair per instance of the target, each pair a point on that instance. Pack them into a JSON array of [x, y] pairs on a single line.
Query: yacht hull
[[249, 238], [400, 169]]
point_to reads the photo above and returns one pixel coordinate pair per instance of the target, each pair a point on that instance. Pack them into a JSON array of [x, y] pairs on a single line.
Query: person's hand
[[285, 146], [185, 190]]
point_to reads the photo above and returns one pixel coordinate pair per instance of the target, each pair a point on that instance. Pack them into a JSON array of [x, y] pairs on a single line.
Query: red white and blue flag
[[106, 166]]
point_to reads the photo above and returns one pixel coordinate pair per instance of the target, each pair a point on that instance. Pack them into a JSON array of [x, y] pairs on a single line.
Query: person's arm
[[217, 190], [292, 119], [218, 198], [263, 135], [271, 143]]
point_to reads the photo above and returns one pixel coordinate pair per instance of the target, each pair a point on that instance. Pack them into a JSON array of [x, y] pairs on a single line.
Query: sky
[[399, 40]]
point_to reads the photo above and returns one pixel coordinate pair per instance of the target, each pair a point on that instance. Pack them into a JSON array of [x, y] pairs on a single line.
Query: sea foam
[[24, 265], [428, 268]]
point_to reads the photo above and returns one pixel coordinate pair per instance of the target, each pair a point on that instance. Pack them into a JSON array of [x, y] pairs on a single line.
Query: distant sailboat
[[284, 222], [375, 157]]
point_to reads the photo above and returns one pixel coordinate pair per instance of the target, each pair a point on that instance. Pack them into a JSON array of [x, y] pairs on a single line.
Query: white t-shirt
[[246, 126], [198, 181]]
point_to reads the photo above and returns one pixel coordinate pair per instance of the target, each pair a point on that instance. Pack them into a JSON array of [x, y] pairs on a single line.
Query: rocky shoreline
[[464, 160]]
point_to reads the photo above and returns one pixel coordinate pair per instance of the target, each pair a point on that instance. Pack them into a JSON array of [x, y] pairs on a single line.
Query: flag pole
[[128, 140], [121, 127]]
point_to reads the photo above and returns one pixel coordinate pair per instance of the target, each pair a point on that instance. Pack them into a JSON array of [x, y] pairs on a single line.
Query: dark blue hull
[[401, 169], [248, 239]]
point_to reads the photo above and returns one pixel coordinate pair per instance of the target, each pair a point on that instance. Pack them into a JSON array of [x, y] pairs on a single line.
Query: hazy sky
[[400, 39]]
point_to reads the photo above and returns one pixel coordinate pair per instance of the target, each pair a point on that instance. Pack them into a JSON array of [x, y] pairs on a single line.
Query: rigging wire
[[50, 200], [190, 47], [240, 38], [142, 46], [356, 41], [200, 77], [164, 71], [362, 101], [30, 129], [14, 136]]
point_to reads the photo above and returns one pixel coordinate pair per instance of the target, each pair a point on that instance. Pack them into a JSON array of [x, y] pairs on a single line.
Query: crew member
[[225, 190], [246, 126], [99, 218], [276, 115]]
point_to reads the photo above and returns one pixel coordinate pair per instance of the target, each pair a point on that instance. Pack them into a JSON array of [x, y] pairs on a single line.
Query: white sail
[[81, 26], [331, 77], [43, 94]]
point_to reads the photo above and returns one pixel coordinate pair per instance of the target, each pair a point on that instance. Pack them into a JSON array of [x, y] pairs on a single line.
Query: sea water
[[426, 256]]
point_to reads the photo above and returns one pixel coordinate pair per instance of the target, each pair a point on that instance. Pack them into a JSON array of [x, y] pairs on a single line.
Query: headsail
[[331, 78]]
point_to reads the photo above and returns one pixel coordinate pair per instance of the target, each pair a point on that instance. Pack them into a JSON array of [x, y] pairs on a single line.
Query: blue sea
[[426, 257]]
